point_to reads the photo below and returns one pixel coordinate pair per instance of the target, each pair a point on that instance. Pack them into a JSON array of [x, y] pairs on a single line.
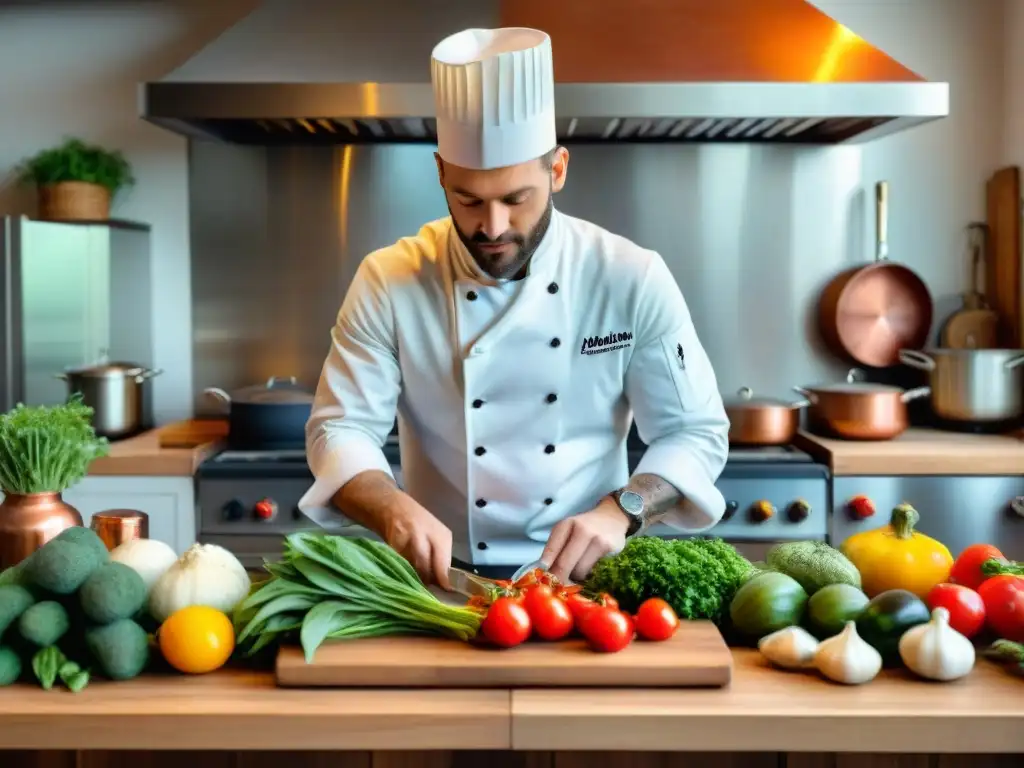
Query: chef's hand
[[422, 539], [578, 542]]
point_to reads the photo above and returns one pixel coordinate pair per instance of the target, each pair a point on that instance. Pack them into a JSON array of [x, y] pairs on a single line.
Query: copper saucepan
[[762, 420], [859, 410], [870, 313]]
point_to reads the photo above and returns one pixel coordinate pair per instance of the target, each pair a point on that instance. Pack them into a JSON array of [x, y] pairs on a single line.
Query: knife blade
[[469, 584]]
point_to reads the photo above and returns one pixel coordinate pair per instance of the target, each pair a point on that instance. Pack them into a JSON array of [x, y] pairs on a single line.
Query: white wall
[[70, 70], [74, 70]]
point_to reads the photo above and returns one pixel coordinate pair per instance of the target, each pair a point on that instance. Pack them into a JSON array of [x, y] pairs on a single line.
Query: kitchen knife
[[469, 584]]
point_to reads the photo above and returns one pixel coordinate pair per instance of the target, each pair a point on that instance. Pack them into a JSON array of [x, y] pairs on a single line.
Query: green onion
[[340, 588]]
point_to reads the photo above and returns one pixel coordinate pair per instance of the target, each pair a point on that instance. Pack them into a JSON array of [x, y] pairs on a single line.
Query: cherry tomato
[[550, 616], [507, 623], [607, 630], [580, 606], [965, 606], [1004, 606], [607, 601], [655, 620], [967, 568]]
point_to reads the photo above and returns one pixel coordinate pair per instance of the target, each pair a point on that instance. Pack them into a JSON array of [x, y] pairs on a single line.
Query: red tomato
[[965, 606], [507, 623], [607, 601], [655, 620], [579, 606], [967, 568], [607, 630], [550, 616], [1004, 606]]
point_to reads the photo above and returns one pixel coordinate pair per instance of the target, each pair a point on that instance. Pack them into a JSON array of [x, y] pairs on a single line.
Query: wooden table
[[766, 719], [174, 450]]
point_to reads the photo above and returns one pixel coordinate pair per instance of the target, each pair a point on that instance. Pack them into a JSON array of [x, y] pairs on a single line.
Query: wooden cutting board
[[696, 657], [1003, 276]]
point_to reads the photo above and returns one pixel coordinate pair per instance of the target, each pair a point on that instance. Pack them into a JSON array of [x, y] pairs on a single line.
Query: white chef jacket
[[515, 398]]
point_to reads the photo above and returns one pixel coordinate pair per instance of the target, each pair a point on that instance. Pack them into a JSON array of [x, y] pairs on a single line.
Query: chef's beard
[[503, 266]]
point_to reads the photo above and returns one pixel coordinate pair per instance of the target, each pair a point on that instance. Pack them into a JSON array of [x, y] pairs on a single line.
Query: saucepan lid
[[275, 391], [745, 399]]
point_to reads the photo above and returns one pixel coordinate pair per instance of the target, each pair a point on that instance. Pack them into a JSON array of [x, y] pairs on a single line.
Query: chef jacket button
[[480, 450], [551, 398], [471, 295], [549, 449], [477, 403], [556, 342], [553, 288], [548, 501], [481, 545], [481, 503]]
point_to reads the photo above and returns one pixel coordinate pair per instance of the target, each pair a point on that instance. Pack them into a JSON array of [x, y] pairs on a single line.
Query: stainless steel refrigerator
[[71, 295]]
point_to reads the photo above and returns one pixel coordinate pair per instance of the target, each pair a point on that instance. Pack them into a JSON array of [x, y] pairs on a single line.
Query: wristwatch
[[632, 505]]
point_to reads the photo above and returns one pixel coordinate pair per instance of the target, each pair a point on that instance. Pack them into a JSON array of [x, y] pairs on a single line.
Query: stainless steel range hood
[[357, 71]]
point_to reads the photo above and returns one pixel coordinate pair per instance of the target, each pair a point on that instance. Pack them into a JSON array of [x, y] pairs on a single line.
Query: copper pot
[[27, 522], [762, 420], [859, 410]]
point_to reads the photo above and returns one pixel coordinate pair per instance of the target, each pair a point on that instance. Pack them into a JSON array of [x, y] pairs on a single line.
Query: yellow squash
[[896, 556]]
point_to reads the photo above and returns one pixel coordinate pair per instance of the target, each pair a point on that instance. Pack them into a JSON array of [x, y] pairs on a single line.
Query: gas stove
[[248, 500]]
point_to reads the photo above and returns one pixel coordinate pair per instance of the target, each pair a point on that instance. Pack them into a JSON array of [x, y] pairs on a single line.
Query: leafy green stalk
[[332, 587], [47, 449]]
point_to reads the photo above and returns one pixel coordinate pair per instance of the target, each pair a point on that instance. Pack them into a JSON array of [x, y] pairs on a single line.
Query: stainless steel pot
[[115, 393], [972, 385]]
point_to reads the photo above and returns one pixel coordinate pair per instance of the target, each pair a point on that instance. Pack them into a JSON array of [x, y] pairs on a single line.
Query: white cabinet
[[169, 502]]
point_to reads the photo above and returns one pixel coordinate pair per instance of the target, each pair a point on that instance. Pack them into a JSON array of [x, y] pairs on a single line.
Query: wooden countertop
[[174, 450], [763, 710], [920, 452]]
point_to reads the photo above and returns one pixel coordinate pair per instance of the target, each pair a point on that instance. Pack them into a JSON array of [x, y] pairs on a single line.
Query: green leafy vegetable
[[46, 664], [47, 449], [335, 587], [73, 676], [697, 577], [1007, 650]]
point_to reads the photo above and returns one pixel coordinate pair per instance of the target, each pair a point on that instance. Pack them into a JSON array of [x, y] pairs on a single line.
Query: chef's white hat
[[494, 91]]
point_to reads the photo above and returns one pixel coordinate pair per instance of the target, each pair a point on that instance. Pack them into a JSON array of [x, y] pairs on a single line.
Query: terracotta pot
[[27, 522], [74, 200]]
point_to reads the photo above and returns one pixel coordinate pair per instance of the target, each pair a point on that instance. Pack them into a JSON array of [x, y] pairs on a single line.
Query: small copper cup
[[116, 526]]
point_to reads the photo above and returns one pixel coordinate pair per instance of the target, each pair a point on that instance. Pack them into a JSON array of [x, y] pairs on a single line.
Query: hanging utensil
[[975, 325], [869, 313]]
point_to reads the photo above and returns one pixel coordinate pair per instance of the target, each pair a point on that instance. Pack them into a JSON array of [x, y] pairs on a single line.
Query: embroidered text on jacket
[[595, 345]]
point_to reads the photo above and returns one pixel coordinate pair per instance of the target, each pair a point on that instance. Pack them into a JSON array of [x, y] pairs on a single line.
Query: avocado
[[61, 566], [10, 666], [121, 648], [113, 591], [813, 563], [14, 601], [44, 623], [87, 538]]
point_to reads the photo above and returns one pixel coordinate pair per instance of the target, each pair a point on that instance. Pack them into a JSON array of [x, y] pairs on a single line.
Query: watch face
[[632, 503]]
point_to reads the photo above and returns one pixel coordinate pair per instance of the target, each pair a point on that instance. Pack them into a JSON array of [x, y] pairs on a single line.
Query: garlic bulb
[[147, 557], [789, 648], [206, 574], [935, 650], [847, 658]]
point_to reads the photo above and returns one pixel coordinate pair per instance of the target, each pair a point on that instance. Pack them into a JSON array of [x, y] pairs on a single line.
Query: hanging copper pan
[[869, 313]]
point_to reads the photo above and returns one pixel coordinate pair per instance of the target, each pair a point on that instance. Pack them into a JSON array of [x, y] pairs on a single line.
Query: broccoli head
[[697, 577]]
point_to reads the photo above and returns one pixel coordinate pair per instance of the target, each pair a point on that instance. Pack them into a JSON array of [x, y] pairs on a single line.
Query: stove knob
[[233, 510], [798, 511], [730, 509], [265, 509], [761, 510], [860, 507]]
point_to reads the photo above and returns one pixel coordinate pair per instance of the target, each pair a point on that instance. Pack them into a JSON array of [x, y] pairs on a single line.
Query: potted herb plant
[[44, 450], [76, 180]]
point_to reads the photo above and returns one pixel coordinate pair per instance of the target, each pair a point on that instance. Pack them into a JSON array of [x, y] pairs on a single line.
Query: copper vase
[[29, 521]]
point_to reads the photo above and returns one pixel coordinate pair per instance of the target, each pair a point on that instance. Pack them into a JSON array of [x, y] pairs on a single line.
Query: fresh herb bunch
[[341, 588], [74, 160], [697, 577], [47, 449]]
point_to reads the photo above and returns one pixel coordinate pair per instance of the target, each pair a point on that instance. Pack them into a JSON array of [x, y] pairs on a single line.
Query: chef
[[516, 345]]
